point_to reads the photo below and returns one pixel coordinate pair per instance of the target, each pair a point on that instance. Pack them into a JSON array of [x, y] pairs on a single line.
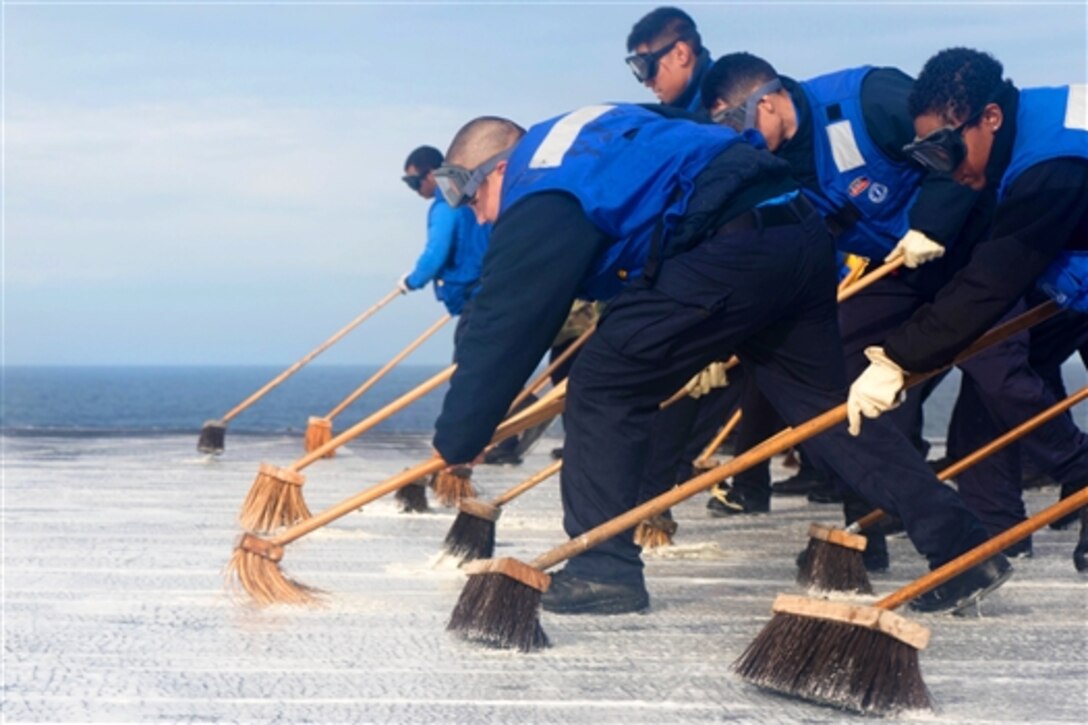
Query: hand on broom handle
[[993, 446], [311, 355], [381, 373], [783, 440], [982, 552], [545, 408], [844, 294], [540, 380]]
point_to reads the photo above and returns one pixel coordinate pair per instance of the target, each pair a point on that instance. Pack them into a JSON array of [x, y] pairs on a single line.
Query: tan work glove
[[711, 377], [916, 249], [877, 390]]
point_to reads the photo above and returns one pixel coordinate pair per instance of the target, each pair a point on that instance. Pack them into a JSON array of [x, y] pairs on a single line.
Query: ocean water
[[163, 400]]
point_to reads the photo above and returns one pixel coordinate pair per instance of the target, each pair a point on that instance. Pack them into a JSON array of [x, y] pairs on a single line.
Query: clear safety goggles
[[743, 116], [644, 65], [459, 185]]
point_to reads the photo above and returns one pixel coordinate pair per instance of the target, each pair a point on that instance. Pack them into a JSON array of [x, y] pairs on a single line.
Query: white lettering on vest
[[562, 134]]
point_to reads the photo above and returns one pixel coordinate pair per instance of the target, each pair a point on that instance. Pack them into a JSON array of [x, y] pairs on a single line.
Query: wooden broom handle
[[538, 477], [993, 446], [777, 444], [375, 418], [539, 381], [533, 415], [729, 427], [397, 359], [982, 552], [311, 355], [844, 294]]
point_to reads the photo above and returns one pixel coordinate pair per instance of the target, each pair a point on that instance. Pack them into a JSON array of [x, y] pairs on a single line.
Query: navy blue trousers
[[767, 295]]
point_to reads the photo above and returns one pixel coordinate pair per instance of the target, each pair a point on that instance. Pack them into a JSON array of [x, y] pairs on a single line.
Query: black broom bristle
[[471, 537], [829, 567], [835, 663], [498, 611], [212, 437], [412, 498]]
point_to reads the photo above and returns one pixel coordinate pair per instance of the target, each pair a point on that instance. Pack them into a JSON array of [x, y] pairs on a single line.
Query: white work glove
[[876, 391], [711, 377], [916, 248], [402, 285]]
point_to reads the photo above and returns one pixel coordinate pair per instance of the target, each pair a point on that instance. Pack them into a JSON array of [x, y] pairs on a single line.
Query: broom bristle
[[212, 437], [470, 537], [318, 433], [833, 568], [836, 662], [452, 485], [261, 578], [499, 611], [655, 532], [275, 499], [412, 498]]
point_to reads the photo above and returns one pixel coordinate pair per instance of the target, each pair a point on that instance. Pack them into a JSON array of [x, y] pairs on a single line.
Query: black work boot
[[726, 501], [1080, 554], [570, 594], [1068, 520], [960, 592], [799, 483]]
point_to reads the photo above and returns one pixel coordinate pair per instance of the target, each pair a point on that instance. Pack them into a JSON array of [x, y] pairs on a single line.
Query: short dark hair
[[956, 84], [424, 159], [670, 23], [733, 76]]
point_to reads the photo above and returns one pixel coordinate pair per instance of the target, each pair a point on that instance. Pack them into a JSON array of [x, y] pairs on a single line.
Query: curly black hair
[[670, 23], [956, 83]]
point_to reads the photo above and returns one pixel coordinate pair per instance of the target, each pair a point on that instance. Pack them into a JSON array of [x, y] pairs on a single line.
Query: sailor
[[1031, 146], [706, 249], [668, 57]]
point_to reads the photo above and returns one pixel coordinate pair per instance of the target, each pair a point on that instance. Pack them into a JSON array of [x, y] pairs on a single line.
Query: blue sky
[[219, 183]]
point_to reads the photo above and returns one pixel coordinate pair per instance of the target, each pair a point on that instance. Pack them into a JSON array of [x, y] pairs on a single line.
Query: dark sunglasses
[[414, 181], [644, 65], [944, 149]]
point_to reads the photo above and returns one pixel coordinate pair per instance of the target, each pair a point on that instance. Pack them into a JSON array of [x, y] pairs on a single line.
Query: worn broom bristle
[[412, 498], [655, 532], [318, 433], [827, 566], [275, 499], [212, 437], [470, 537], [259, 575], [836, 662], [498, 611], [452, 485]]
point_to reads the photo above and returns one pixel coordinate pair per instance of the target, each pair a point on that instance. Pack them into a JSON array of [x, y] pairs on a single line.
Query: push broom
[[832, 561], [865, 658], [499, 604], [453, 485], [254, 566], [214, 432], [275, 498], [319, 428], [659, 530]]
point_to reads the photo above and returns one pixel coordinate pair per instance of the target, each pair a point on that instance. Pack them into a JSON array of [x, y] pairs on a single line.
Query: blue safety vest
[[1052, 123], [629, 168], [459, 279], [852, 169]]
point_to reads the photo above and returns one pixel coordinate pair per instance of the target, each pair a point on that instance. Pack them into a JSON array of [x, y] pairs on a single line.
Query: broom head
[[472, 535], [318, 433], [833, 562], [453, 484], [655, 531], [851, 656], [500, 605], [212, 437], [274, 500], [255, 569], [412, 498]]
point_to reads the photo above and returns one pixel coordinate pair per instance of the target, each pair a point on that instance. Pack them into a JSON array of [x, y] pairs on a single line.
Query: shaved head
[[482, 138]]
